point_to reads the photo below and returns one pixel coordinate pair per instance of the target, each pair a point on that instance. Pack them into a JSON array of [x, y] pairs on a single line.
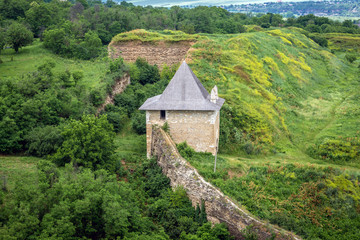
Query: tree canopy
[[19, 36], [88, 142]]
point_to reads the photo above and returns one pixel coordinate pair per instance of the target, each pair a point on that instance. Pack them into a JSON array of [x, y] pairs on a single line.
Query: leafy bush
[[116, 65], [88, 142], [62, 41], [310, 201], [19, 36], [117, 119], [337, 149], [10, 135], [319, 40], [43, 141], [97, 97], [350, 57], [73, 205], [166, 127], [146, 73], [77, 76], [138, 122], [185, 150]]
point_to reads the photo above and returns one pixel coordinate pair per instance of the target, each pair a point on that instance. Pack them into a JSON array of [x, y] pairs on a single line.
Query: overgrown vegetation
[[314, 202], [288, 98], [40, 99], [77, 203], [275, 93], [146, 36]]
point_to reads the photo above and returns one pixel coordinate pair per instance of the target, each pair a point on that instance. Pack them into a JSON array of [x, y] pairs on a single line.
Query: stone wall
[[200, 129], [119, 87], [219, 208], [158, 53]]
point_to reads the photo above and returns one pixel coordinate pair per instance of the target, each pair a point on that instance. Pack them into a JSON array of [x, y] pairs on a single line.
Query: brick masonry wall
[[158, 53], [200, 129], [219, 208]]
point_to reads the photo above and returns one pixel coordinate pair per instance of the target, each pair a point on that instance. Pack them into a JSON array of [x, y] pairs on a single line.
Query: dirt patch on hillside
[[158, 53], [233, 173]]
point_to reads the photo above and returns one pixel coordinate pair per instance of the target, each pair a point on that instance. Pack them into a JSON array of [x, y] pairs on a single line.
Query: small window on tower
[[162, 114]]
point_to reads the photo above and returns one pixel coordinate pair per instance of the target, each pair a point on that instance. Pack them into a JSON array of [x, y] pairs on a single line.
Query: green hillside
[[284, 93], [289, 128], [291, 115], [31, 57], [73, 166]]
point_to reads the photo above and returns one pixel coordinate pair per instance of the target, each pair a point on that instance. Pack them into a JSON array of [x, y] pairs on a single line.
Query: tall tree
[[39, 16], [87, 142], [19, 36], [2, 38]]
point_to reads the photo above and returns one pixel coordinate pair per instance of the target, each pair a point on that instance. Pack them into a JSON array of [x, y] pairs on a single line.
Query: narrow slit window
[[162, 114]]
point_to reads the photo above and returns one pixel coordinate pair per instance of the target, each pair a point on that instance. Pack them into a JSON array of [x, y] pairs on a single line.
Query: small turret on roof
[[184, 92]]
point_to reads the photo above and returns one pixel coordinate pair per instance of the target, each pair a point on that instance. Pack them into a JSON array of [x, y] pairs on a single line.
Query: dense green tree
[[2, 38], [96, 97], [202, 20], [147, 73], [187, 26], [43, 140], [118, 119], [10, 135], [39, 16], [319, 40], [92, 45], [138, 122], [87, 142], [56, 40], [313, 28], [63, 41], [19, 36], [13, 9]]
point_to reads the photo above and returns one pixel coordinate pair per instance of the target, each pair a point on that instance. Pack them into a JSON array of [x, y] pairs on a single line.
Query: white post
[[215, 160], [216, 150]]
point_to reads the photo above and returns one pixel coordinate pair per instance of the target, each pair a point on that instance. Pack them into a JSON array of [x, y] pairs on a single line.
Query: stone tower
[[193, 115]]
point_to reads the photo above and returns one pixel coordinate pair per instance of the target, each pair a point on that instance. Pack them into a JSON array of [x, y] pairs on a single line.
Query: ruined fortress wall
[[158, 53], [219, 208], [119, 87], [199, 129]]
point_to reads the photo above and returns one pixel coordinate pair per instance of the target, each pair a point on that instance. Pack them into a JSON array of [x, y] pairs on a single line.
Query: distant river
[[164, 3]]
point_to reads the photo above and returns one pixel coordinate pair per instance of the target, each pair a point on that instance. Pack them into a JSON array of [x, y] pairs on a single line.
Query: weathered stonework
[[219, 208], [119, 87], [200, 129], [159, 53]]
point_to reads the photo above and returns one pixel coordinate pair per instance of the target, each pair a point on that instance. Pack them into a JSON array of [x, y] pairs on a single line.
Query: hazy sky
[[164, 3]]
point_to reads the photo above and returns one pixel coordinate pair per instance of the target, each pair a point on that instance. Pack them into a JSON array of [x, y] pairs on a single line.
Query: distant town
[[343, 8]]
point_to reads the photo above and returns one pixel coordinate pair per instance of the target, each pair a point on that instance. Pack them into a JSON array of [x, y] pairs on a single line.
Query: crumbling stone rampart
[[119, 87], [158, 53], [219, 208]]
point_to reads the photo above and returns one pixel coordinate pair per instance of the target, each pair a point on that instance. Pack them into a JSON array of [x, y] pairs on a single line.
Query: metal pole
[[215, 160], [217, 145]]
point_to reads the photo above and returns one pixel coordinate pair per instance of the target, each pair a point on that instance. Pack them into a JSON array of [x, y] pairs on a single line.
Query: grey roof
[[184, 92]]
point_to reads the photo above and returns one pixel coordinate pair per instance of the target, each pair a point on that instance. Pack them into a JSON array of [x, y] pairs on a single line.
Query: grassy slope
[[31, 57], [17, 167], [300, 92], [154, 36]]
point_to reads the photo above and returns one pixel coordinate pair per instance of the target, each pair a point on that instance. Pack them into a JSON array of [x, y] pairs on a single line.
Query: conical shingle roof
[[184, 92]]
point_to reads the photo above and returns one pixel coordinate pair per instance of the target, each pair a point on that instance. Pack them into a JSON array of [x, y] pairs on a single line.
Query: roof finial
[[214, 94]]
